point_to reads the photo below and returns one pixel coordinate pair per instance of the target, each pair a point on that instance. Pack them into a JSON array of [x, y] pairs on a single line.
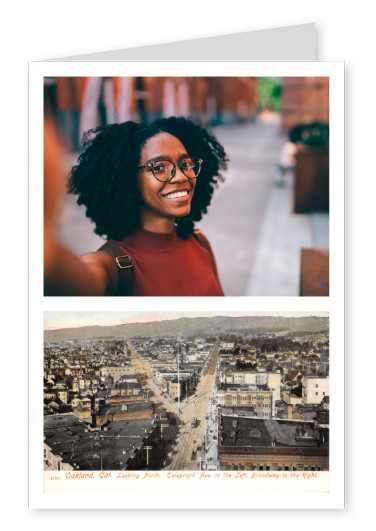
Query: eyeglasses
[[165, 170]]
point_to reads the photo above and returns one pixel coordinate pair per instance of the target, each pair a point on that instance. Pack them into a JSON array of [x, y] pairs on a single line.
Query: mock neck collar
[[153, 241]]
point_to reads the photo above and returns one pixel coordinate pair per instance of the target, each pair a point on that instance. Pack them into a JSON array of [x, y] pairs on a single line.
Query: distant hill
[[193, 326]]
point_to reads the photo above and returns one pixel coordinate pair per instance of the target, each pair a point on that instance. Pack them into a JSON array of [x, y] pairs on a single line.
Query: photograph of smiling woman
[[144, 187]]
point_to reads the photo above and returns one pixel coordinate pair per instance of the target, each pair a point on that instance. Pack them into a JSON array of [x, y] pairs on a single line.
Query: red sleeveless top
[[166, 265]]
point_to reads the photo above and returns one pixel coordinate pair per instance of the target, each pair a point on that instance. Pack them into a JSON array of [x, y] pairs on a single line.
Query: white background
[[238, 494], [335, 72], [43, 29]]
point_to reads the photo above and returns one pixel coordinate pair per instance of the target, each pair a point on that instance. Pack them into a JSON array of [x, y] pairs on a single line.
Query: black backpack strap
[[204, 242], [124, 266]]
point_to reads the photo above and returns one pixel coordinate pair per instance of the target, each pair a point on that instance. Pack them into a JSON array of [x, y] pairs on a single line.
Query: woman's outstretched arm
[[64, 272], [67, 274]]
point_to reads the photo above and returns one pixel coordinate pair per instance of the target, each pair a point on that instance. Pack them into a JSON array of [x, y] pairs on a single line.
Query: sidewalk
[[237, 210], [276, 266], [254, 233]]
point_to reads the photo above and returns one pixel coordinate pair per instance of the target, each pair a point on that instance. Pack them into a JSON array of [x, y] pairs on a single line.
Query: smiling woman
[[144, 187], [169, 194]]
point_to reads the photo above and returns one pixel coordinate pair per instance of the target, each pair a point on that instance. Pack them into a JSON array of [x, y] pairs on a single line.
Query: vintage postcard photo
[[222, 402], [230, 393]]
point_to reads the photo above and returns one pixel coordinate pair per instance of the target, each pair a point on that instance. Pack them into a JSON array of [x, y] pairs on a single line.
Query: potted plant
[[311, 186]]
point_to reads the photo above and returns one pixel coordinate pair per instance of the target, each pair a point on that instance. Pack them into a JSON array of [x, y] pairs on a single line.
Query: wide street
[[190, 438], [236, 214]]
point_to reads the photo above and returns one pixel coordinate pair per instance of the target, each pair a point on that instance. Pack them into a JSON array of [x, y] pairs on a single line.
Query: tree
[[269, 91]]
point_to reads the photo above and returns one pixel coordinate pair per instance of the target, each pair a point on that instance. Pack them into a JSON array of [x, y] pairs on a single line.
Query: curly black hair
[[105, 176]]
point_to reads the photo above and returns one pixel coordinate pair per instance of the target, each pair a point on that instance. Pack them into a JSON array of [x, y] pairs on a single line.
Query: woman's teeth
[[176, 194]]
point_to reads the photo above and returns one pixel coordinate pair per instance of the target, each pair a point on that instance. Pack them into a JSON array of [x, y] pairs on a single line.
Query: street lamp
[[178, 359], [200, 460], [147, 448], [101, 456]]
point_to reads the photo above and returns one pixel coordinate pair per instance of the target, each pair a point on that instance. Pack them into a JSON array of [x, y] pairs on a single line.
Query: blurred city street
[[255, 235], [237, 211], [250, 224]]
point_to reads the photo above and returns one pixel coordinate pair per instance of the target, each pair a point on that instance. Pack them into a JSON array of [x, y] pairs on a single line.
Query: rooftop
[[68, 437], [131, 407], [240, 431], [245, 387]]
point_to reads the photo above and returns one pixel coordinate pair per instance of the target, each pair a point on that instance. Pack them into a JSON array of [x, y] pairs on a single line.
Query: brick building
[[85, 103], [215, 100], [304, 100], [130, 411]]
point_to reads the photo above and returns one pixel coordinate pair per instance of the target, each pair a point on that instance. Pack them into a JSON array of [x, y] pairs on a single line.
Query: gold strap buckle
[[124, 266]]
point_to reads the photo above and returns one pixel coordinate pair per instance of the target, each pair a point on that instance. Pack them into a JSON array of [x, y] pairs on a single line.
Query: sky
[[54, 320]]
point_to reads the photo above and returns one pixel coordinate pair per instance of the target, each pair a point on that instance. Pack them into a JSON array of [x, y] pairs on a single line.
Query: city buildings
[[239, 401]]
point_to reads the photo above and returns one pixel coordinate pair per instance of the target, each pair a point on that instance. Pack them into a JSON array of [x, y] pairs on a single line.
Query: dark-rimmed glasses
[[165, 170]]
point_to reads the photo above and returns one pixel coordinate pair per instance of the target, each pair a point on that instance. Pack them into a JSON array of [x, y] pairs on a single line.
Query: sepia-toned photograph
[[186, 392], [186, 186]]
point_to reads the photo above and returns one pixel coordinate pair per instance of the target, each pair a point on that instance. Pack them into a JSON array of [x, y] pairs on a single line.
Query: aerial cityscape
[[194, 393]]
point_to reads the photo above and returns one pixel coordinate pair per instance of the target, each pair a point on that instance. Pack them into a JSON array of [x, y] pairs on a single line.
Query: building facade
[[260, 400], [271, 379], [314, 389]]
